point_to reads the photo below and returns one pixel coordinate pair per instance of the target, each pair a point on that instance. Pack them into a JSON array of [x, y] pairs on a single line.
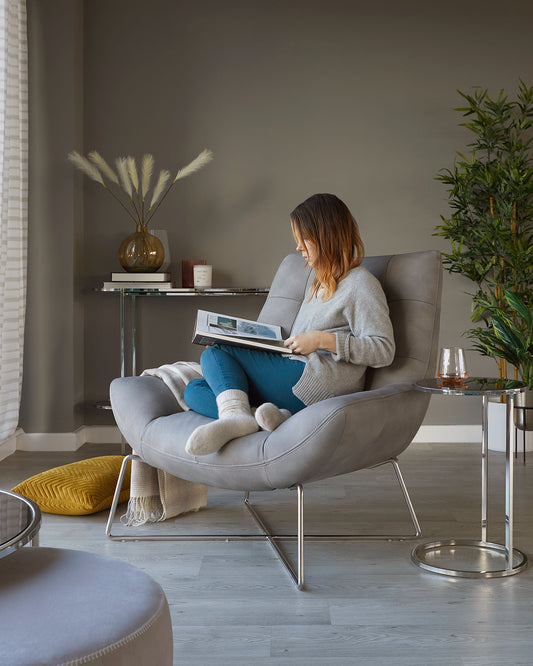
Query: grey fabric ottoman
[[71, 607]]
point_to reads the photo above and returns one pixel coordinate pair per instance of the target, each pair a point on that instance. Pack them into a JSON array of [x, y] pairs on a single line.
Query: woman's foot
[[235, 419], [211, 437], [269, 417]]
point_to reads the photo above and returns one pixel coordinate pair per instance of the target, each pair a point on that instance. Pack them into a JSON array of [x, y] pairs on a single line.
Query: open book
[[211, 328]]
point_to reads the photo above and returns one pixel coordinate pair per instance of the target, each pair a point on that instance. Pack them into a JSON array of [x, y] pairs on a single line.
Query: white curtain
[[13, 206]]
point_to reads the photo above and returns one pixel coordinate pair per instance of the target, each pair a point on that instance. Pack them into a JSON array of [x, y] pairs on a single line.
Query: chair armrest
[[137, 401]]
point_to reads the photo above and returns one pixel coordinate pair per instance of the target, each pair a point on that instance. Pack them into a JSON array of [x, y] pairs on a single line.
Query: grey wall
[[53, 382], [293, 97]]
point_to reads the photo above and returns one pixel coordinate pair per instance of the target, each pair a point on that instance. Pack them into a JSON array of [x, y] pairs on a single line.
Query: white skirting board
[[448, 434], [65, 441], [59, 441]]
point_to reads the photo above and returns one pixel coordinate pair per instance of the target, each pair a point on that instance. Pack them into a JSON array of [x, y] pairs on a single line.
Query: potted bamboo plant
[[490, 227], [509, 335]]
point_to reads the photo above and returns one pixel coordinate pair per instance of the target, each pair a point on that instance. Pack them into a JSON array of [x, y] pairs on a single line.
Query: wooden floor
[[365, 602]]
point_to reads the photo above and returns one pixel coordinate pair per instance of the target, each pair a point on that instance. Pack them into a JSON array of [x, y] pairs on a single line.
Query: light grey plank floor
[[365, 602]]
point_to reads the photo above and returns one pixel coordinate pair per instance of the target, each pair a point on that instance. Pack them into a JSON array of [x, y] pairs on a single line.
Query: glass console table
[[468, 558], [131, 294]]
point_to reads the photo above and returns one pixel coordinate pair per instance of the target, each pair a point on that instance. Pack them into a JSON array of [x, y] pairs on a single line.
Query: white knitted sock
[[235, 419], [269, 417]]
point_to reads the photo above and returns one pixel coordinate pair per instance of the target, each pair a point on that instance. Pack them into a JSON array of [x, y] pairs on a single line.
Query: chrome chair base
[[296, 573]]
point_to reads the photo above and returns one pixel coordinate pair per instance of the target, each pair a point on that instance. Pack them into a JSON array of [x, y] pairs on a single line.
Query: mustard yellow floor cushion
[[77, 489]]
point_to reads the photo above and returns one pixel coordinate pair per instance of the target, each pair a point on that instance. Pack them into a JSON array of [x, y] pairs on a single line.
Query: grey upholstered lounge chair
[[332, 437]]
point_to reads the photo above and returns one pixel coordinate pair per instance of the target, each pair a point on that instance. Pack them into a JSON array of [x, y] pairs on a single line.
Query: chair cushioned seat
[[307, 447], [63, 606]]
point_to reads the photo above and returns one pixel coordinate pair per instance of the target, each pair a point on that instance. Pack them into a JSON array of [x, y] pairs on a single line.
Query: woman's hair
[[327, 222]]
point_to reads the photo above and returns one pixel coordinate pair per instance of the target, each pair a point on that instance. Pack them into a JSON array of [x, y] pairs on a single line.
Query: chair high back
[[414, 311], [413, 302]]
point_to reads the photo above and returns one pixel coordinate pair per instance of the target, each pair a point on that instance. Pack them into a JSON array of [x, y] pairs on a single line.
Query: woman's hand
[[310, 341]]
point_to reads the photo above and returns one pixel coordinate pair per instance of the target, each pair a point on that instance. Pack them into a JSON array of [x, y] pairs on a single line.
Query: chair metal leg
[[296, 574], [375, 537], [118, 490]]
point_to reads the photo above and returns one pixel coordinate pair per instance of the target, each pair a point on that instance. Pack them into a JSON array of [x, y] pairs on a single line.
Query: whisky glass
[[452, 366]]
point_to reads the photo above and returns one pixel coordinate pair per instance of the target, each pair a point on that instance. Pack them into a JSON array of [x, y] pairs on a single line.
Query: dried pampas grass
[[103, 166], [122, 168], [132, 171], [199, 162], [126, 179], [86, 167], [147, 168], [163, 179]]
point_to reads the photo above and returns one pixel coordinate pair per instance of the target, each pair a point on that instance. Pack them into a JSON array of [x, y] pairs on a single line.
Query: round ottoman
[[70, 607]]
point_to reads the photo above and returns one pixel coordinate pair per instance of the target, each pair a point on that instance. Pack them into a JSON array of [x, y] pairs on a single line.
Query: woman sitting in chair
[[342, 328]]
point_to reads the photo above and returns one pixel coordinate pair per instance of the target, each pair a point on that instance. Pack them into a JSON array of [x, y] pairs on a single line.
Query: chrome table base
[[485, 559], [468, 558]]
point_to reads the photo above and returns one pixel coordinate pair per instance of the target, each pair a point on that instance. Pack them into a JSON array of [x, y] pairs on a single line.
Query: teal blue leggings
[[264, 376]]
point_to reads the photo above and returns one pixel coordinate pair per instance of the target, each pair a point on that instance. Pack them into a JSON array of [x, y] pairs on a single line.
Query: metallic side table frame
[[432, 556], [132, 294]]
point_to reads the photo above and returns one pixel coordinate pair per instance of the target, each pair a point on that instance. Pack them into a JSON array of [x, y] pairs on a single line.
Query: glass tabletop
[[20, 521], [471, 386], [183, 291]]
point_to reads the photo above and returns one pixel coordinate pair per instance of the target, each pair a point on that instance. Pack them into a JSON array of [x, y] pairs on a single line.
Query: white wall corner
[[9, 445], [99, 434], [65, 441], [47, 441]]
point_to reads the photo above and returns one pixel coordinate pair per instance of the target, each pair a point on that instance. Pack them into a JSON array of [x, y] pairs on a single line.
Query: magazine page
[[244, 328]]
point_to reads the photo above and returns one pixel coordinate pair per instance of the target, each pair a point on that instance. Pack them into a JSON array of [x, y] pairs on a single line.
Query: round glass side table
[[20, 521], [469, 558]]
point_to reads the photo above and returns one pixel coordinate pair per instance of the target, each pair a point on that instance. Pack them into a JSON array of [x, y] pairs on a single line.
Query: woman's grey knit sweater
[[358, 315]]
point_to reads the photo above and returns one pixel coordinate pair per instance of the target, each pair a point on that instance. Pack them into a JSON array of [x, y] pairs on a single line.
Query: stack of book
[[144, 281]]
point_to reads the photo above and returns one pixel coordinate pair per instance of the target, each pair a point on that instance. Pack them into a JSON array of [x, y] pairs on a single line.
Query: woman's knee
[[200, 398], [207, 354], [222, 371]]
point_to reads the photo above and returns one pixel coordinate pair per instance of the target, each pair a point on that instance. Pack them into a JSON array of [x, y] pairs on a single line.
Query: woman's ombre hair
[[326, 221]]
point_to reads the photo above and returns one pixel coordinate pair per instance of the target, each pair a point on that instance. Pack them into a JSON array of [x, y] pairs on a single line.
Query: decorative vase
[[141, 252], [523, 411], [163, 237]]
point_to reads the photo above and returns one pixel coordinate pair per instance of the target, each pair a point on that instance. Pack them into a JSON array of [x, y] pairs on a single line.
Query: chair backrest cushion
[[286, 293], [412, 283]]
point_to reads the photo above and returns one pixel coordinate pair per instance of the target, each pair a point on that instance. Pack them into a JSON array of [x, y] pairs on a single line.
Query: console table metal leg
[[122, 350], [133, 332]]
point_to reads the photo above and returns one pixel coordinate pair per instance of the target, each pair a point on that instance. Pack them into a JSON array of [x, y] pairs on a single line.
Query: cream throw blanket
[[156, 495]]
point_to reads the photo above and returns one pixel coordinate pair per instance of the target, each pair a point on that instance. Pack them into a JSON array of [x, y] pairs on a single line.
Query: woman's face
[[307, 248]]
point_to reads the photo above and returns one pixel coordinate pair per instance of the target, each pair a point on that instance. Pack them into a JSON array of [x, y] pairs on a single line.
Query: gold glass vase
[[141, 252]]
